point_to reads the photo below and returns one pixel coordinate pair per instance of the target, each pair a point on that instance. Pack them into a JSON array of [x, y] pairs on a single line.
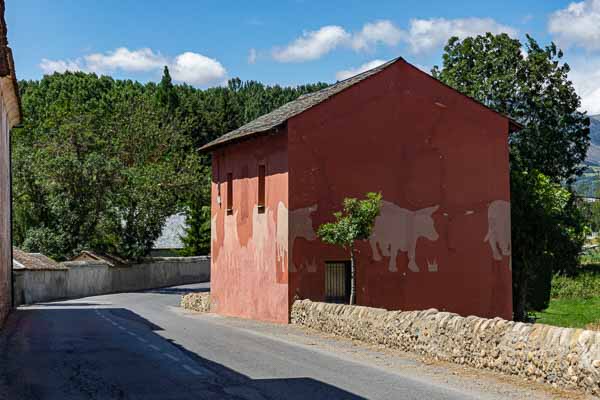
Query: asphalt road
[[142, 346]]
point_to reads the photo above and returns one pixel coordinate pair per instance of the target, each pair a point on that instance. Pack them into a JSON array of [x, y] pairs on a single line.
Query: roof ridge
[[271, 120], [280, 115]]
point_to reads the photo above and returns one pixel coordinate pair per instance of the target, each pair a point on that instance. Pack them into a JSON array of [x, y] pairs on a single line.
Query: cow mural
[[398, 229], [498, 235]]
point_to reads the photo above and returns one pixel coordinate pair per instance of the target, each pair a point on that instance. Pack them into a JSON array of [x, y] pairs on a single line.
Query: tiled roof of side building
[[270, 121], [33, 261]]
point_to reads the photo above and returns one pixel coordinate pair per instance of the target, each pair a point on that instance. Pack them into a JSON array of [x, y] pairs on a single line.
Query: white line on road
[[121, 327], [172, 357], [132, 334], [142, 340], [154, 347], [192, 370]]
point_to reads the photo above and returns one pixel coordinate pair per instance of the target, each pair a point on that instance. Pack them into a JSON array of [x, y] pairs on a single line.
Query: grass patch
[[575, 300], [571, 313]]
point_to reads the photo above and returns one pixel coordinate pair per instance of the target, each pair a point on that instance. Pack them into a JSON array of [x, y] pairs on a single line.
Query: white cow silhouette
[[398, 229], [301, 224], [300, 227], [498, 234]]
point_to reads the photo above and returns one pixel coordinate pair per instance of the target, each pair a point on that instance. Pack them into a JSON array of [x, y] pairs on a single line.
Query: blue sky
[[283, 42]]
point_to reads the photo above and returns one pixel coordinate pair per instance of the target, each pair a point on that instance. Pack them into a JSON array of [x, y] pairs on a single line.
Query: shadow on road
[[73, 352], [63, 304], [178, 291]]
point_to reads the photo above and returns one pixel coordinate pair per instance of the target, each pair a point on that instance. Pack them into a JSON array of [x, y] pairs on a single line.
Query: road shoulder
[[485, 384]]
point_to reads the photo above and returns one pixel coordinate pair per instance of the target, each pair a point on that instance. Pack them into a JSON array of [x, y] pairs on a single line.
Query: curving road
[[142, 346]]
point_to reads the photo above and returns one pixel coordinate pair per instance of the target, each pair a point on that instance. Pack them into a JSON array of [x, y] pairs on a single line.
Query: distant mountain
[[587, 184], [593, 154]]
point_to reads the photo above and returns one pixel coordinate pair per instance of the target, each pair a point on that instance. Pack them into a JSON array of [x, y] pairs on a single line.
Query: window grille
[[337, 282]]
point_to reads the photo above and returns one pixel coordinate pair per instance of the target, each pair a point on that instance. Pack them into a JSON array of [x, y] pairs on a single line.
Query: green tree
[[61, 159], [352, 224], [158, 171], [530, 84], [166, 93], [197, 234], [99, 162], [98, 165], [547, 239]]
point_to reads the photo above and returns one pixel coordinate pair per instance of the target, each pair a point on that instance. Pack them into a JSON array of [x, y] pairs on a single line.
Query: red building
[[439, 158]]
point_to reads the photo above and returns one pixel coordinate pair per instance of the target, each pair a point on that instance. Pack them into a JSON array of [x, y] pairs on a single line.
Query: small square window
[[261, 188], [229, 194]]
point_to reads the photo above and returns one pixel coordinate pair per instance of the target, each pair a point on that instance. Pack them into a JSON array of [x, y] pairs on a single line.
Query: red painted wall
[[440, 161], [249, 248]]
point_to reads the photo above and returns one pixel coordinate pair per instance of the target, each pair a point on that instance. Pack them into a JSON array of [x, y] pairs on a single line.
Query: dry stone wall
[[560, 356]]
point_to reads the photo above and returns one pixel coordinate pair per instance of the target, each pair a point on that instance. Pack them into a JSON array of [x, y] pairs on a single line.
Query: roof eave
[[212, 146], [514, 126]]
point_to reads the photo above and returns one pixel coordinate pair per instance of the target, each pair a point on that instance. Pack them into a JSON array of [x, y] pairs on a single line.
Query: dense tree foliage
[[354, 223], [100, 163], [547, 238], [530, 83]]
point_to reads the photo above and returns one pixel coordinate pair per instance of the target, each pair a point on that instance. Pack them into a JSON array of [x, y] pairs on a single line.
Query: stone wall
[[89, 278], [560, 356]]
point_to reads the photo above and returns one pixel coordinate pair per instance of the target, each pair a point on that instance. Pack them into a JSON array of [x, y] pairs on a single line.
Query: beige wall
[[5, 209], [91, 278]]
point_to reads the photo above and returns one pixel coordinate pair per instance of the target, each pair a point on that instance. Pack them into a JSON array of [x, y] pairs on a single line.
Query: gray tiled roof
[[277, 117]]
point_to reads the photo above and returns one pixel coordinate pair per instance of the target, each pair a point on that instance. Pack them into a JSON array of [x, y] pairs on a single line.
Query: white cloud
[[377, 32], [192, 68], [51, 66], [126, 60], [312, 45], [252, 56], [585, 75], [577, 25], [315, 44], [196, 69], [345, 74], [425, 35]]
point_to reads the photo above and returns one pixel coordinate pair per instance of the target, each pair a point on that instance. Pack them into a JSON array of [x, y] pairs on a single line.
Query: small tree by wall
[[355, 222]]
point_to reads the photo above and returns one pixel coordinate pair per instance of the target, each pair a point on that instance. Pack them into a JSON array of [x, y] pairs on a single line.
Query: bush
[[590, 257], [584, 285], [547, 235]]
